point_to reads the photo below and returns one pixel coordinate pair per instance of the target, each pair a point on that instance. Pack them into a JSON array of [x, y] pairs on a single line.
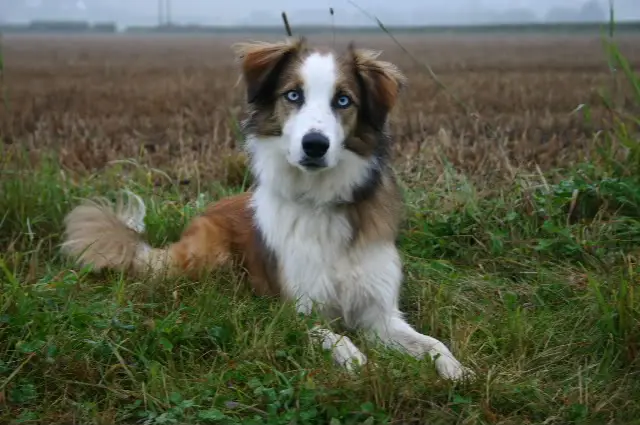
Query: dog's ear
[[261, 63], [380, 84]]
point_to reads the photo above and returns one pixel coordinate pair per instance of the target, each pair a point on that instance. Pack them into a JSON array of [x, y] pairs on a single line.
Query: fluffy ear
[[261, 63], [380, 84]]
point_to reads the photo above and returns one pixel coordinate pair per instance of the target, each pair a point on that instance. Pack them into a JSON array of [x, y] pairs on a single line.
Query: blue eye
[[343, 101], [293, 96]]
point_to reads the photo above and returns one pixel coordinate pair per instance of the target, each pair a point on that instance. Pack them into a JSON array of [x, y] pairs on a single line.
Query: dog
[[320, 226]]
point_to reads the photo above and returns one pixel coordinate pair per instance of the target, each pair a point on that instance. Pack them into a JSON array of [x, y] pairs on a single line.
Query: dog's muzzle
[[314, 145]]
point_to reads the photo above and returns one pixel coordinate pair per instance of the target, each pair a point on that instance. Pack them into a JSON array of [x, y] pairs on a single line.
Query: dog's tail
[[108, 236]]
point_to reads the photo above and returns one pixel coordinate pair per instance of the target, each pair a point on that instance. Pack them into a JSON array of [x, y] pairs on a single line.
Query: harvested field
[[520, 246], [176, 99]]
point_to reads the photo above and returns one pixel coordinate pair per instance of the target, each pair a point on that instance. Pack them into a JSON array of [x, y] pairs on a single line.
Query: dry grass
[[177, 102]]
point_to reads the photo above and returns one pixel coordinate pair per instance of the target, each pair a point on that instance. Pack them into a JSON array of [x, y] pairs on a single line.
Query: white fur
[[132, 213], [311, 238], [344, 351], [293, 184], [319, 74]]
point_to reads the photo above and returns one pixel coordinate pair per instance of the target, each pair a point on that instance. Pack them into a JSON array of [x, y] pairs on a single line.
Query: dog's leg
[[376, 286], [393, 330], [343, 351]]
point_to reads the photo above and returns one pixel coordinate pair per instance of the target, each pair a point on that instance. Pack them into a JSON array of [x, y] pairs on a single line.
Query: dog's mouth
[[313, 164]]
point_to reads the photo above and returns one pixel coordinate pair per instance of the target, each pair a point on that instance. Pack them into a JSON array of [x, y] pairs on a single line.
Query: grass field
[[521, 246]]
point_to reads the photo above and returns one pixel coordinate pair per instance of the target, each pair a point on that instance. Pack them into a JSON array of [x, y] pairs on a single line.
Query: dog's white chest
[[312, 248]]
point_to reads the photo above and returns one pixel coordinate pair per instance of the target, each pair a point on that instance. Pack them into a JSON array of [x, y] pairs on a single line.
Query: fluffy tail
[[108, 236]]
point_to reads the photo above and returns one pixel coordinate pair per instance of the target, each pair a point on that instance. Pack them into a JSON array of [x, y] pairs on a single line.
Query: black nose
[[315, 144]]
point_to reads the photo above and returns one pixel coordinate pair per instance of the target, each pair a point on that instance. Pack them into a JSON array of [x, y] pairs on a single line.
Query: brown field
[[177, 100]]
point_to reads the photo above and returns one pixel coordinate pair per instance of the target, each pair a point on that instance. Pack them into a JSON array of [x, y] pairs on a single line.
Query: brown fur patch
[[377, 216], [377, 85], [262, 65], [266, 69], [224, 233], [381, 81]]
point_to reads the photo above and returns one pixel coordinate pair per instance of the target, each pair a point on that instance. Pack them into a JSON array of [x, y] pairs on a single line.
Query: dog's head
[[321, 106]]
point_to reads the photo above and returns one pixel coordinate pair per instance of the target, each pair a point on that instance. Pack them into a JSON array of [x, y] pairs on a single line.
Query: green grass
[[534, 287], [533, 284]]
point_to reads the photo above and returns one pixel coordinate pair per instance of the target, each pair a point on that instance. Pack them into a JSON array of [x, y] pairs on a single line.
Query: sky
[[267, 12]]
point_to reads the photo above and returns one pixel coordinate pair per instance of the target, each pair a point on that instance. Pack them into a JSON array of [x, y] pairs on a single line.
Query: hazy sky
[[266, 12]]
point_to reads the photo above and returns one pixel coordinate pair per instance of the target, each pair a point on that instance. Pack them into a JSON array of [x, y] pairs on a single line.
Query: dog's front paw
[[343, 351], [450, 368], [348, 355]]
